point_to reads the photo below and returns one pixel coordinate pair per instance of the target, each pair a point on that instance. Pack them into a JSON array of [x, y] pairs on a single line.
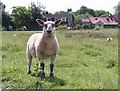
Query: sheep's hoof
[[42, 74], [29, 72], [51, 74]]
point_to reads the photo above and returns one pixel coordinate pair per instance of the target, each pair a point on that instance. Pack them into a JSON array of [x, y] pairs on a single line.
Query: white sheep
[[41, 45], [109, 39]]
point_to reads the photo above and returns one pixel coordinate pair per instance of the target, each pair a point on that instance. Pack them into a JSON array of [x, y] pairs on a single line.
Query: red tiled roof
[[85, 20], [109, 20], [94, 20]]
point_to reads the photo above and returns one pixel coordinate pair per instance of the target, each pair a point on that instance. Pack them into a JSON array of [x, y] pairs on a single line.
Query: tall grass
[[85, 61]]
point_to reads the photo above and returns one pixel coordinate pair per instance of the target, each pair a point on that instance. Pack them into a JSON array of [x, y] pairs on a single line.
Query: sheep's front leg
[[51, 70], [52, 66], [42, 66]]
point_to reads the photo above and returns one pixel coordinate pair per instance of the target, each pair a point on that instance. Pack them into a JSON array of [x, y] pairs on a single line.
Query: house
[[85, 22], [66, 18], [105, 22]]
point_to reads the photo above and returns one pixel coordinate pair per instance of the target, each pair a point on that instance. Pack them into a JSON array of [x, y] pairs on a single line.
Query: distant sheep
[[41, 45], [109, 39], [14, 35]]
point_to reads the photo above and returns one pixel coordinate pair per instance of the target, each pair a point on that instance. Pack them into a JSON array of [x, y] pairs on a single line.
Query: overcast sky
[[62, 5]]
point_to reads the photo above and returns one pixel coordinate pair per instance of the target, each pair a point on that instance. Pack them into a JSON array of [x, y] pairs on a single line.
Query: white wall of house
[[64, 19]]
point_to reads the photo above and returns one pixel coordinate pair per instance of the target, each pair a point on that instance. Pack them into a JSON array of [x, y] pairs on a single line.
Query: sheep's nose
[[48, 31]]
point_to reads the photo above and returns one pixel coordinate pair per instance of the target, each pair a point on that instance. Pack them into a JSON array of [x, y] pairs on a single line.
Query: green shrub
[[62, 27], [97, 28], [86, 26], [78, 26], [111, 63]]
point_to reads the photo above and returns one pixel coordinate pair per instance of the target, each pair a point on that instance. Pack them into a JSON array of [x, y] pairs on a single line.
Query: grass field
[[85, 61]]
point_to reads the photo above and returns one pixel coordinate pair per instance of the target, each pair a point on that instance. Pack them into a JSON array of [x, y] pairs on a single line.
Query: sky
[[62, 5]]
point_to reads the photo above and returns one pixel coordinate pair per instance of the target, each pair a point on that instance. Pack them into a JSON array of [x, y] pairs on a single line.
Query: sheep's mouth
[[49, 33]]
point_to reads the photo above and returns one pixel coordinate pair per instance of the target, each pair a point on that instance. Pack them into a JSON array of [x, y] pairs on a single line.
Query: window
[[53, 19], [64, 19], [47, 19], [99, 25]]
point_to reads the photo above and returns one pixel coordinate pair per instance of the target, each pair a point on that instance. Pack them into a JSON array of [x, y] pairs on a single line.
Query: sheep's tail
[[27, 49]]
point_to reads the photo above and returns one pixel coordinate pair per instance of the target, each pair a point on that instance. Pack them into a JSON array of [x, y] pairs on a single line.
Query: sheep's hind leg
[[29, 64], [42, 66]]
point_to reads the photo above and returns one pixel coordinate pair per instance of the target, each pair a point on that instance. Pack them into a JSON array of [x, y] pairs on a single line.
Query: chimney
[[96, 18]]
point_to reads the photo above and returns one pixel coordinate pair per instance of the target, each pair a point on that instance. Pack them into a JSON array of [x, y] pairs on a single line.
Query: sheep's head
[[49, 26]]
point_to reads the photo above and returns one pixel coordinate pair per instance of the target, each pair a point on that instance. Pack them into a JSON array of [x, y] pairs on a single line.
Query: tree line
[[23, 18]]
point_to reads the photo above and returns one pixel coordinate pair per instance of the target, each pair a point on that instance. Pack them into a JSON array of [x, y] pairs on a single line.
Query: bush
[[78, 26], [97, 28], [62, 27], [118, 26], [86, 26]]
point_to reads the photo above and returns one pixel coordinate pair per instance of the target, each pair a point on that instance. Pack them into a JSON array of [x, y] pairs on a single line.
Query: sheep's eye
[[45, 25]]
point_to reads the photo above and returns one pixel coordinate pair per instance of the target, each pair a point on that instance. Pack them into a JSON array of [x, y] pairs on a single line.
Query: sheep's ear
[[57, 22], [40, 22]]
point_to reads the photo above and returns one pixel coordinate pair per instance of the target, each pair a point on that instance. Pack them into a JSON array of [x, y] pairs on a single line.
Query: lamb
[[41, 45], [109, 39]]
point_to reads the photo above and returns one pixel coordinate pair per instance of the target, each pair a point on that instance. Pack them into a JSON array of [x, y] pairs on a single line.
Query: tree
[[101, 12], [83, 10], [37, 10], [117, 8], [6, 20], [60, 12], [69, 10], [2, 10], [117, 12], [91, 12], [2, 6], [22, 16]]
